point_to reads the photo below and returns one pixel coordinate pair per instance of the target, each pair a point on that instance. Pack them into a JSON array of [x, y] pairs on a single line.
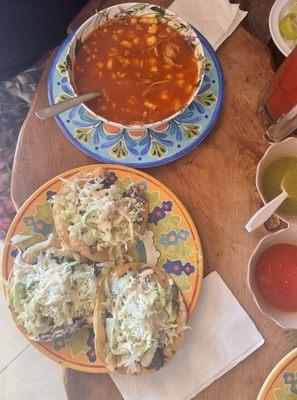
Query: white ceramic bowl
[[287, 147], [287, 320], [136, 9], [277, 12]]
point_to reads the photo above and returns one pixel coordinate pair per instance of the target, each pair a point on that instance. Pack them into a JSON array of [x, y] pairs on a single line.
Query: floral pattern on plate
[[171, 242], [141, 148], [281, 383]]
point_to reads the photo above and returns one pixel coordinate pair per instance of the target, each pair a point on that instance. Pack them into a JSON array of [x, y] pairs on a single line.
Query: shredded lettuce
[[101, 216], [56, 289], [141, 318]]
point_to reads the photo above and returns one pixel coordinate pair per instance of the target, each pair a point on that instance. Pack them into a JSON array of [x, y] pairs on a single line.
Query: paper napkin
[[215, 19], [221, 335]]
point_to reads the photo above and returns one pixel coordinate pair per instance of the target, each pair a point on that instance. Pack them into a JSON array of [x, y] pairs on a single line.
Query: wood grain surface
[[216, 182]]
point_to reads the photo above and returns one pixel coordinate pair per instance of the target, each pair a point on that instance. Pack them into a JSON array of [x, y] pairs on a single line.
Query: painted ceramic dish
[[281, 383], [141, 148], [136, 10], [287, 320], [285, 148], [171, 242], [279, 9]]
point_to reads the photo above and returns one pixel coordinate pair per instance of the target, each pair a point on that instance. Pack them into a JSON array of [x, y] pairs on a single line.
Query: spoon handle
[[58, 108], [265, 212]]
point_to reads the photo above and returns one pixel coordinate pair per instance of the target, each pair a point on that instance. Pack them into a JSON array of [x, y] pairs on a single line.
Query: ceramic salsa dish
[[287, 147], [287, 320], [135, 10]]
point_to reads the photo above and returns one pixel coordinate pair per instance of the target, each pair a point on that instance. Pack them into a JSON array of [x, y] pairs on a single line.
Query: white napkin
[[215, 19], [221, 335]]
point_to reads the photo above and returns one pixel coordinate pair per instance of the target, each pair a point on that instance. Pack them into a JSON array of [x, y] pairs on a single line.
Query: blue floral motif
[[29, 221], [14, 253], [142, 185], [159, 213], [156, 215], [167, 205], [177, 268], [50, 194], [170, 238], [42, 227], [91, 353], [173, 267], [188, 268], [183, 234], [39, 226], [111, 178]]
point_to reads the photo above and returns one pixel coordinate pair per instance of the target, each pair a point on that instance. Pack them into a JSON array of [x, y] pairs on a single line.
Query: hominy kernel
[[151, 40], [180, 83], [153, 28], [189, 89], [163, 95], [150, 105], [127, 44]]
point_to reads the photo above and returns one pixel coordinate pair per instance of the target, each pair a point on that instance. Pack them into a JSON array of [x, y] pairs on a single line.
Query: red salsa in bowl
[[276, 276]]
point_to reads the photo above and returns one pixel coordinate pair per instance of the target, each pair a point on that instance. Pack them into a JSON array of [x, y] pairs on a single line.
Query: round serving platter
[[281, 383], [171, 242], [143, 148]]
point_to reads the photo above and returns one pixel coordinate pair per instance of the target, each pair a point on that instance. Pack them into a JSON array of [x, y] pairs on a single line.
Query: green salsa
[[281, 174]]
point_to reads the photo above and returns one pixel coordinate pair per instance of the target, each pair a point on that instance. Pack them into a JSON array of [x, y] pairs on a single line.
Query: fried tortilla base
[[101, 344], [62, 226]]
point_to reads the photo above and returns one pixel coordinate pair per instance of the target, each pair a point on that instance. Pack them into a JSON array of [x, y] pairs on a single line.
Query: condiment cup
[[137, 9], [287, 320], [287, 147], [277, 12]]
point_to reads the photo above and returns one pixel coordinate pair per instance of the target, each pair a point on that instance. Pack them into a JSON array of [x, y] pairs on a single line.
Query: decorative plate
[[281, 383], [171, 241], [142, 148]]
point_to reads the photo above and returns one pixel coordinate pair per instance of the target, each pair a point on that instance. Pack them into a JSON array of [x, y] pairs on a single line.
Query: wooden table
[[216, 182]]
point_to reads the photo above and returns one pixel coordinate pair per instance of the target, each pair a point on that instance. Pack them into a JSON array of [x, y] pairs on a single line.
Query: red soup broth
[[145, 70], [276, 276]]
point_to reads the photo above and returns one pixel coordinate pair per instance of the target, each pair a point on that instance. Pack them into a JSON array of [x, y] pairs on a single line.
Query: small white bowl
[[287, 147], [287, 320], [137, 9], [277, 12]]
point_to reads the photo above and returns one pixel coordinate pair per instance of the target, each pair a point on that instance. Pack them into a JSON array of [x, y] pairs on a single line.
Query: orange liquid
[[276, 276], [139, 82], [282, 94]]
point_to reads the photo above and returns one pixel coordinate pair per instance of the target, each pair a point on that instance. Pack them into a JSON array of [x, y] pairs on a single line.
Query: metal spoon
[[54, 109]]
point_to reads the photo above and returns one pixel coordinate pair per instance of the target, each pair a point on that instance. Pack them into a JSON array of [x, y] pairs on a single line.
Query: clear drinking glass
[[278, 103]]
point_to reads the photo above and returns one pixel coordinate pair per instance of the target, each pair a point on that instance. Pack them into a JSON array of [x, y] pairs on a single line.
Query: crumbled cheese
[[142, 317], [101, 216]]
